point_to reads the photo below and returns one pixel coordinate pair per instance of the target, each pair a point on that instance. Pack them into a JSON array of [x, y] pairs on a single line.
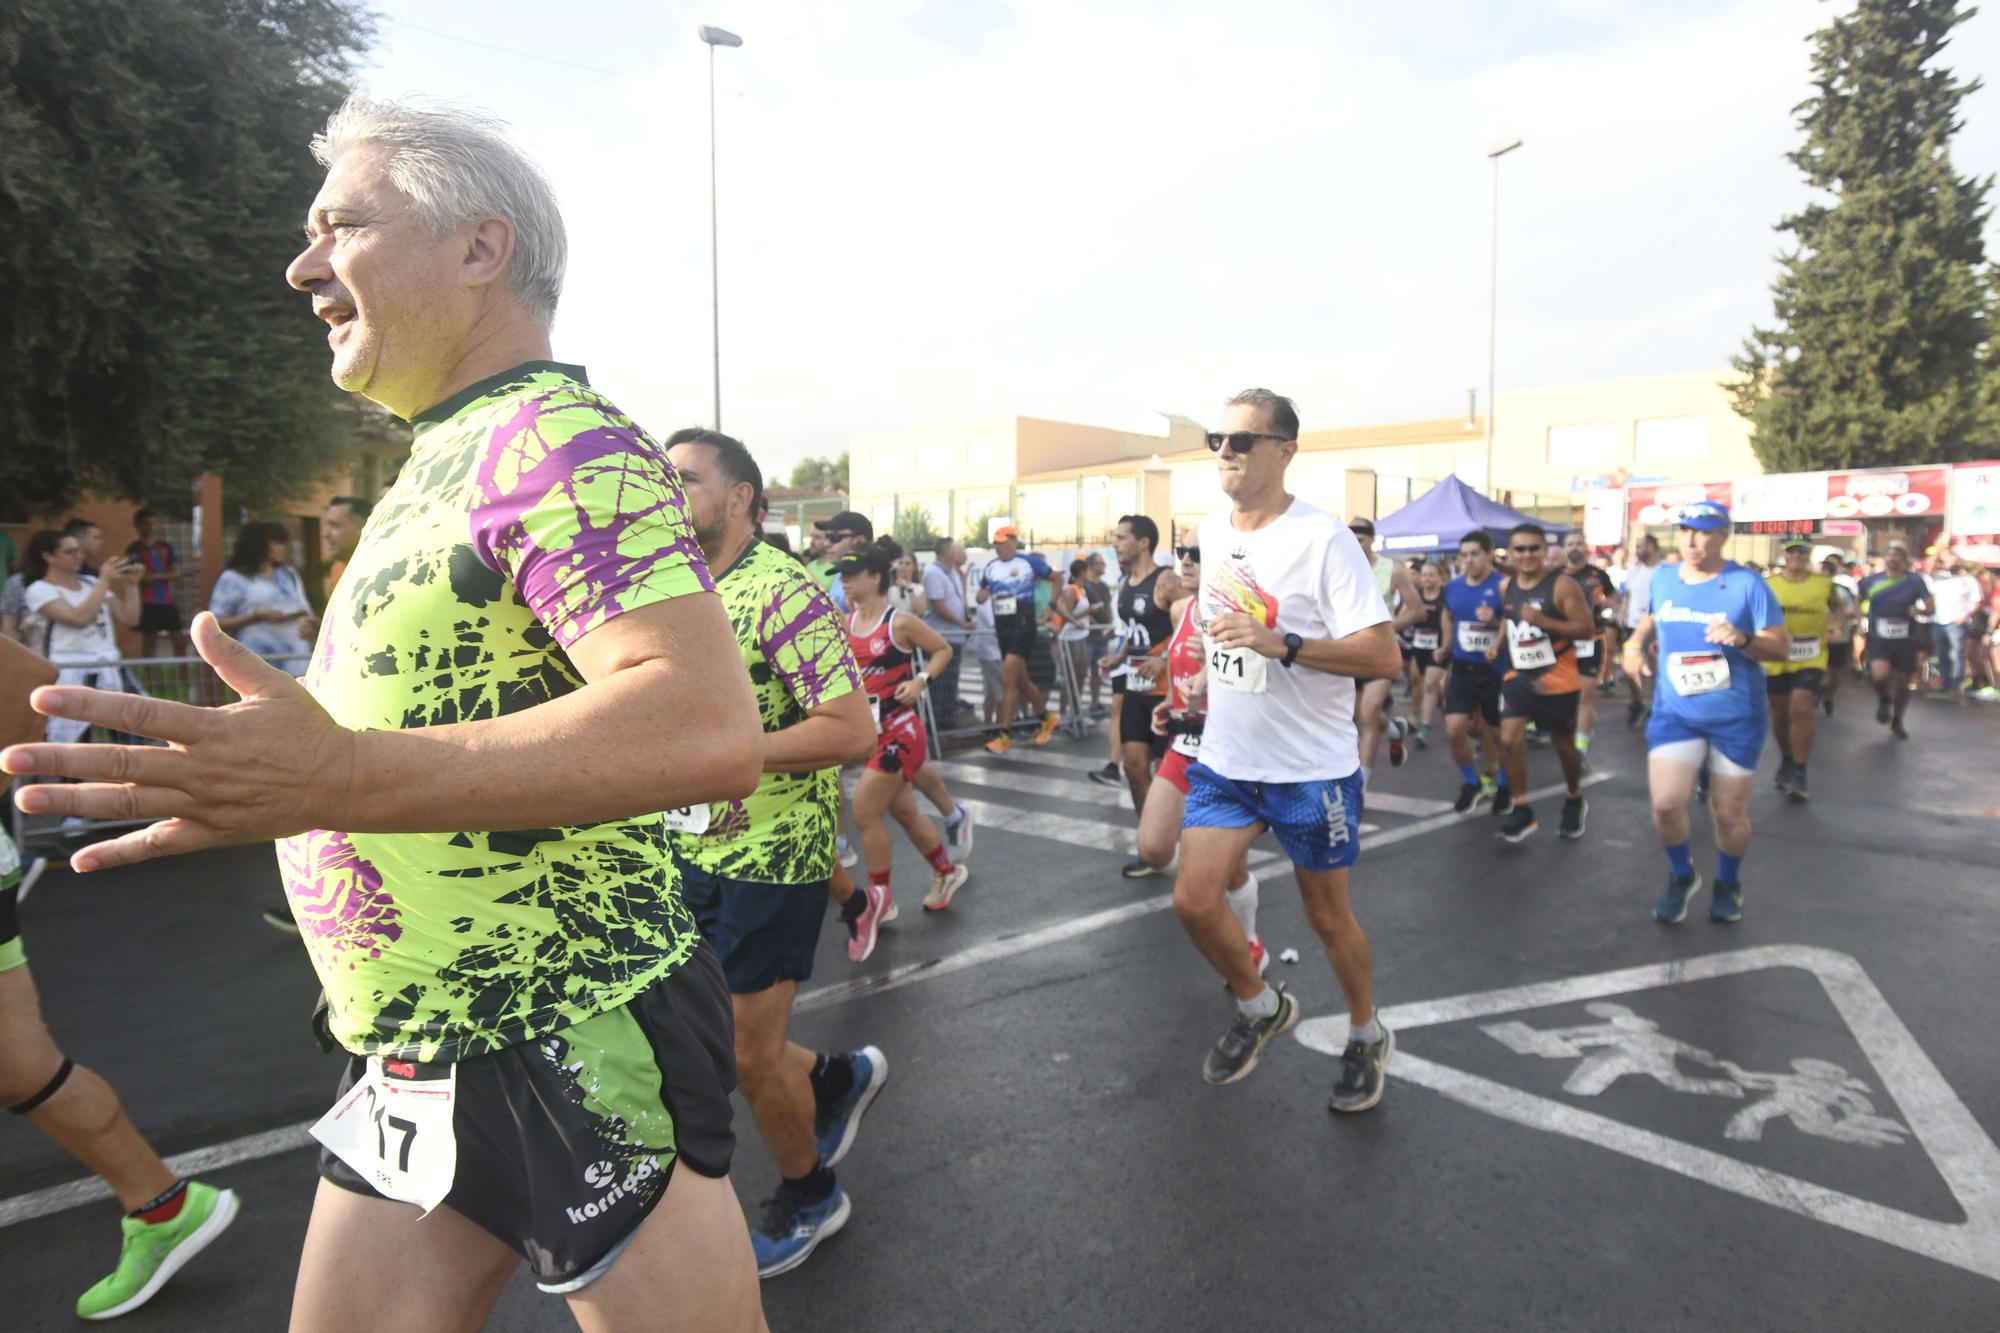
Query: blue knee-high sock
[[1728, 868], [1469, 775], [1501, 774], [1681, 859]]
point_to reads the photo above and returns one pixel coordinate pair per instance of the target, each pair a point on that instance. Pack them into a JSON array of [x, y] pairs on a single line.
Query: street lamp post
[[715, 37], [1493, 307]]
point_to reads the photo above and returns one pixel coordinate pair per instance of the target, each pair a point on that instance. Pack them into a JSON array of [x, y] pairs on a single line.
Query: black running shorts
[[1900, 654], [1135, 721], [159, 618], [1812, 679], [566, 1142], [1553, 713], [1471, 688]]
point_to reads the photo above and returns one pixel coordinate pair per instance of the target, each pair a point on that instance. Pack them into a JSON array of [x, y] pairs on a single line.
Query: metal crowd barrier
[[183, 679], [1057, 674]]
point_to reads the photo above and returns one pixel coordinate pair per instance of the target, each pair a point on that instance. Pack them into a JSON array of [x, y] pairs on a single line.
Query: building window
[[937, 460], [1592, 445], [892, 463], [1669, 439]]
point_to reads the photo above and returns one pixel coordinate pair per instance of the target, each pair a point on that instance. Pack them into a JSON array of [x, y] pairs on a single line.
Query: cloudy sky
[[933, 210]]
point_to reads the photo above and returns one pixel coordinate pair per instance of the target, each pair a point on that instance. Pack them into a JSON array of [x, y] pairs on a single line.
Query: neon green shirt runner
[[795, 649], [530, 512]]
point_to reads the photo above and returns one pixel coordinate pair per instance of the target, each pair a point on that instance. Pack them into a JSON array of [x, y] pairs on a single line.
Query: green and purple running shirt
[[530, 512], [795, 649]]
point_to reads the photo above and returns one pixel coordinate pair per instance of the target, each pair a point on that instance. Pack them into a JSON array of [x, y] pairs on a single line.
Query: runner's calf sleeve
[[49, 1089]]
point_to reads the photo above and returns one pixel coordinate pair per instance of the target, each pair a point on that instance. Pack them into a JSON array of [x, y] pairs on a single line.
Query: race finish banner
[[1778, 527], [1916, 492]]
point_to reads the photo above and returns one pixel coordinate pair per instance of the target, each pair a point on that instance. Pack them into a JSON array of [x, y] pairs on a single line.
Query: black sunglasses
[[840, 536], [1239, 441], [1189, 553], [1536, 547]]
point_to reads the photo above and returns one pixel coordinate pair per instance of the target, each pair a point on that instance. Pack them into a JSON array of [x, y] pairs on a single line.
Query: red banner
[[1654, 506], [1917, 492]]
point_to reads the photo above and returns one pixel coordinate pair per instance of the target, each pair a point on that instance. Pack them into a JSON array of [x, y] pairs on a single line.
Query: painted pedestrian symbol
[[1817, 1098], [1623, 1044]]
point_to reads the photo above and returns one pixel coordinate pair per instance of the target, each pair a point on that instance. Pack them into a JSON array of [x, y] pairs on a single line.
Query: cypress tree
[[1875, 358]]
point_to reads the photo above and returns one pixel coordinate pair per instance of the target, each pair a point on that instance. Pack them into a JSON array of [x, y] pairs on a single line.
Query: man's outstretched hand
[[267, 767]]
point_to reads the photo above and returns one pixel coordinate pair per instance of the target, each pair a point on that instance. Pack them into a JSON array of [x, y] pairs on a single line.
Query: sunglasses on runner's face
[[1239, 441], [1518, 550], [1189, 553]]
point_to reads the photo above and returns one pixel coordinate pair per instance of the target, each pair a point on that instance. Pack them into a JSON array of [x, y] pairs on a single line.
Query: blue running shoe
[[1726, 903], [1673, 905], [793, 1226], [834, 1127]]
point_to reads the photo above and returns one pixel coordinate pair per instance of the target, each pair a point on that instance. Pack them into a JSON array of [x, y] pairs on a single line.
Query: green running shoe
[[155, 1251]]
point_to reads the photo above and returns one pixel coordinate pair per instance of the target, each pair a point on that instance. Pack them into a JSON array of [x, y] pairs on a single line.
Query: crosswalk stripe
[[1089, 793], [1390, 803]]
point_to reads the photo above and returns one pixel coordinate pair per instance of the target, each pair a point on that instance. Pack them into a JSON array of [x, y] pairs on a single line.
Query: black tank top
[[1147, 626], [1529, 643]]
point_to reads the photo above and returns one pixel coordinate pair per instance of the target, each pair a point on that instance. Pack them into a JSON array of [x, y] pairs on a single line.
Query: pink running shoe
[[1258, 956], [863, 929]]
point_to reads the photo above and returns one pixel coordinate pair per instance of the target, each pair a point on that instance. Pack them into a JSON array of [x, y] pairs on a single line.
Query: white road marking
[[1390, 803], [1087, 793], [1958, 1147], [270, 1143]]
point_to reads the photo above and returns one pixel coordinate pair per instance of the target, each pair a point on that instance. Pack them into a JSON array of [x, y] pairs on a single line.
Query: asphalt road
[[1046, 1155]]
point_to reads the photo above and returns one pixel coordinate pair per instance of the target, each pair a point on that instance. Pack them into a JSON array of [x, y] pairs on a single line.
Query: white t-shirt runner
[[1303, 575]]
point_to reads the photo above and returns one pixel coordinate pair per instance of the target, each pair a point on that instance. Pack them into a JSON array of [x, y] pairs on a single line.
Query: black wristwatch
[[1292, 645]]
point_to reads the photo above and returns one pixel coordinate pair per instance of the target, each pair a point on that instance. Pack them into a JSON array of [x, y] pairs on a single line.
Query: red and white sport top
[[884, 664]]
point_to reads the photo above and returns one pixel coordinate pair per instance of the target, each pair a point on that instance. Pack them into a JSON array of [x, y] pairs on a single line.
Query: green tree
[[820, 474], [154, 171], [915, 529], [1881, 306]]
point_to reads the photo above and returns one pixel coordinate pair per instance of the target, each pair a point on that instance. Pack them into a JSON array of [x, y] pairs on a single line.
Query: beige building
[[1065, 484]]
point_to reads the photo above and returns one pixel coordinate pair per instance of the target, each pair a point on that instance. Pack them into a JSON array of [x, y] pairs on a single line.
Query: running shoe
[[1361, 1068], [943, 887], [1632, 711], [1259, 955], [1422, 736], [1235, 1055], [958, 833], [1726, 903], [1575, 810], [1783, 782], [1520, 822], [1503, 799], [1673, 905], [1798, 793], [155, 1251], [1000, 744], [1882, 710], [863, 929], [1138, 868], [835, 1126], [793, 1226], [1111, 775], [1049, 724], [278, 918], [849, 858], [889, 912], [1470, 794], [1985, 694], [1896, 729], [1399, 753], [1826, 704]]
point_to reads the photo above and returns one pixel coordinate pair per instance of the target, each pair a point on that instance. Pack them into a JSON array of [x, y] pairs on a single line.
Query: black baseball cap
[[866, 559], [1361, 527], [847, 521]]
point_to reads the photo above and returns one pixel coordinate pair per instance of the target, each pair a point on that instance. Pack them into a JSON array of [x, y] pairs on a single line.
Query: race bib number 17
[[394, 1127]]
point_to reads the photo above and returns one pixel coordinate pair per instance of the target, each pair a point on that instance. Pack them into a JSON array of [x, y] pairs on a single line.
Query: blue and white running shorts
[[1738, 740], [1318, 823]]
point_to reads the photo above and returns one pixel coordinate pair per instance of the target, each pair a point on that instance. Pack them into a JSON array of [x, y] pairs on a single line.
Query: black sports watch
[[1292, 645]]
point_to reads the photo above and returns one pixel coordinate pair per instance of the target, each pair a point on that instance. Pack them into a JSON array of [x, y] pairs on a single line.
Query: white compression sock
[[1263, 1006], [1243, 902]]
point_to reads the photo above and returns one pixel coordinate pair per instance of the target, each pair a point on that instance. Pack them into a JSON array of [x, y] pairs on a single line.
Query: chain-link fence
[[187, 680], [967, 700]]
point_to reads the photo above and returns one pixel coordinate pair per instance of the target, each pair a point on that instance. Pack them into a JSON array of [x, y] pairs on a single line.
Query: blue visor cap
[[1703, 516]]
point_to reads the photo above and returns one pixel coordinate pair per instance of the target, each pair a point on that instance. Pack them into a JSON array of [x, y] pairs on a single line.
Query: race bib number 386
[[394, 1128]]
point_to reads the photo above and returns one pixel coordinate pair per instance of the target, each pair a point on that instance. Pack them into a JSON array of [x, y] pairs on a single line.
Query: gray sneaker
[[1361, 1066], [1235, 1055]]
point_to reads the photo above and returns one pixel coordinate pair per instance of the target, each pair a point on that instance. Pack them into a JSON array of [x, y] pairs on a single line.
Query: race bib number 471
[[394, 1127], [1241, 670]]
